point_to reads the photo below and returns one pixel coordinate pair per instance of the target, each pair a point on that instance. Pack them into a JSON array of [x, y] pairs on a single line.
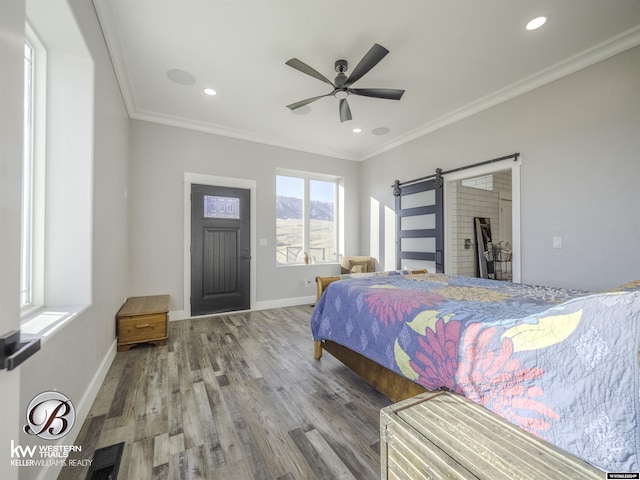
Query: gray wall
[[160, 155], [580, 145]]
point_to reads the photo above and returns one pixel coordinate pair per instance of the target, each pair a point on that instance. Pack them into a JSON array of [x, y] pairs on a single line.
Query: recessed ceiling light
[[303, 110], [181, 77], [536, 23], [380, 131], [209, 91], [356, 130]]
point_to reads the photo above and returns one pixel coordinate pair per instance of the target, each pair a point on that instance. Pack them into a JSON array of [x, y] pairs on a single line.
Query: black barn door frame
[[438, 232], [428, 182]]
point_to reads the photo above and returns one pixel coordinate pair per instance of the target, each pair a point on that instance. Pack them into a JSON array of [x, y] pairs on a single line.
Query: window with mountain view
[[306, 219]]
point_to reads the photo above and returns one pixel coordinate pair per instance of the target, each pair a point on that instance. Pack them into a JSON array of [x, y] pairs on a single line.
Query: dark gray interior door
[[220, 249], [420, 227]]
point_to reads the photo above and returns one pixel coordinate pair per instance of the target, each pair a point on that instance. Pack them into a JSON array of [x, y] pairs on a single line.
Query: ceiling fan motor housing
[[341, 66]]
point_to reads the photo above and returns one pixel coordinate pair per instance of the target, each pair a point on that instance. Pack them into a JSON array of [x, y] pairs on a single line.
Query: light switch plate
[[557, 242]]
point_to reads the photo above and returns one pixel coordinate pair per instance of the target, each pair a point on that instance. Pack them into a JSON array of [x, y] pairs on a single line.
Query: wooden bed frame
[[387, 382]]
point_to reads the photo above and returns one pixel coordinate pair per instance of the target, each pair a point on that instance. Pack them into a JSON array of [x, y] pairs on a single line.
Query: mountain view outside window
[[289, 220], [319, 243], [322, 241]]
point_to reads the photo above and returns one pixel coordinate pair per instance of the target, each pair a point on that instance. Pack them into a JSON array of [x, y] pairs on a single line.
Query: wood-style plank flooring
[[235, 397]]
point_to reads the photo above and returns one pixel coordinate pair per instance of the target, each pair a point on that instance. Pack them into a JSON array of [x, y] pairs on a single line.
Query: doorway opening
[[489, 192]]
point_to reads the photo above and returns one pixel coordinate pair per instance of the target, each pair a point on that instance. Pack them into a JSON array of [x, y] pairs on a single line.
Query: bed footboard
[[389, 383]]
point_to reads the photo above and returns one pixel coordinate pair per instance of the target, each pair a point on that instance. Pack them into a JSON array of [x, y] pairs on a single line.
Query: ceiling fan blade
[[345, 111], [302, 103], [388, 93], [304, 68], [370, 60]]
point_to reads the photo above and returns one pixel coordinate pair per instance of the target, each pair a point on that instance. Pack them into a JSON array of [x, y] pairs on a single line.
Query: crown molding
[[109, 24], [108, 19], [610, 47], [190, 124]]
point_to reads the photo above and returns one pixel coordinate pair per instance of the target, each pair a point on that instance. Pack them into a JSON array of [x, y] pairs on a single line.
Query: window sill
[[44, 322], [28, 312]]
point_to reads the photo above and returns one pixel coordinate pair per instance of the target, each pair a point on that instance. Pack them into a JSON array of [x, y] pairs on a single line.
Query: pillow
[[358, 266]]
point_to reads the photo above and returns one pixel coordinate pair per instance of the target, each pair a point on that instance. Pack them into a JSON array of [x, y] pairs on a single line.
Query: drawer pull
[[143, 325]]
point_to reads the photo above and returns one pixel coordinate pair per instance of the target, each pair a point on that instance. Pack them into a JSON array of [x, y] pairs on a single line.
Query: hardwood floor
[[235, 397]]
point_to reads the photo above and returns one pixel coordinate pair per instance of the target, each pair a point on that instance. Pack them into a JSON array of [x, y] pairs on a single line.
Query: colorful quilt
[[561, 364]]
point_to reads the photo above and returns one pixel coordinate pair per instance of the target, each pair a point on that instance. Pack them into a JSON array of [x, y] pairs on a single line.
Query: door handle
[[13, 352]]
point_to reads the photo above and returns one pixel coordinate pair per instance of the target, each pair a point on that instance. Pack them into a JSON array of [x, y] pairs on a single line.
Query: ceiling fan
[[342, 85]]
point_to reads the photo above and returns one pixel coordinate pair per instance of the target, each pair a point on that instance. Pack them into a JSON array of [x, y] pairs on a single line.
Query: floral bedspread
[[561, 364]]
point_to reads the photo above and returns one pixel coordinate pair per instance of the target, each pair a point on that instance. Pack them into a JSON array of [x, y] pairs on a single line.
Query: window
[[58, 170], [221, 207], [26, 264], [32, 220], [306, 218]]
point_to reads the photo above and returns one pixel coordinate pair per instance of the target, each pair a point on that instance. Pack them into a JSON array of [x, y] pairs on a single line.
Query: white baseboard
[[82, 409], [266, 305], [285, 302], [177, 315]]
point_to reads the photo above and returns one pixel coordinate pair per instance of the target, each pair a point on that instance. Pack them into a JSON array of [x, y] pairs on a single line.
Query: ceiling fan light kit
[[342, 84]]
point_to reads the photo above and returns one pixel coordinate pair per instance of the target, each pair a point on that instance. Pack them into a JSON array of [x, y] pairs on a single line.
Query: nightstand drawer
[[143, 328]]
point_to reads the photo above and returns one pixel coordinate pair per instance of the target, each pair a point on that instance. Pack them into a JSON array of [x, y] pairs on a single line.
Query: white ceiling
[[453, 58]]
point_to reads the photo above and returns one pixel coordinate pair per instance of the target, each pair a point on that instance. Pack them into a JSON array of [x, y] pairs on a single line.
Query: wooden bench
[[143, 320], [439, 435]]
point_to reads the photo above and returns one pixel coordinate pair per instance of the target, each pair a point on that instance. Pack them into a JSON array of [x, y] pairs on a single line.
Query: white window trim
[[26, 213]]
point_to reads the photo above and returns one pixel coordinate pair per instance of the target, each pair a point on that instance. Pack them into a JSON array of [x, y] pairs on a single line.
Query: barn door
[[419, 226], [220, 249]]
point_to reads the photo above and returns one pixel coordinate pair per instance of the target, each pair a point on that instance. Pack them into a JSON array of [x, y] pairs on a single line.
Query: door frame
[[216, 181], [509, 164]]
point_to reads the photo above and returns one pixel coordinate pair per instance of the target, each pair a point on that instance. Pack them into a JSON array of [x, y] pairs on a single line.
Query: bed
[[561, 364]]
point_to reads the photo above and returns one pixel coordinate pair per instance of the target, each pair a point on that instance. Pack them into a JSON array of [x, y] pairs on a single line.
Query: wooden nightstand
[[142, 320]]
